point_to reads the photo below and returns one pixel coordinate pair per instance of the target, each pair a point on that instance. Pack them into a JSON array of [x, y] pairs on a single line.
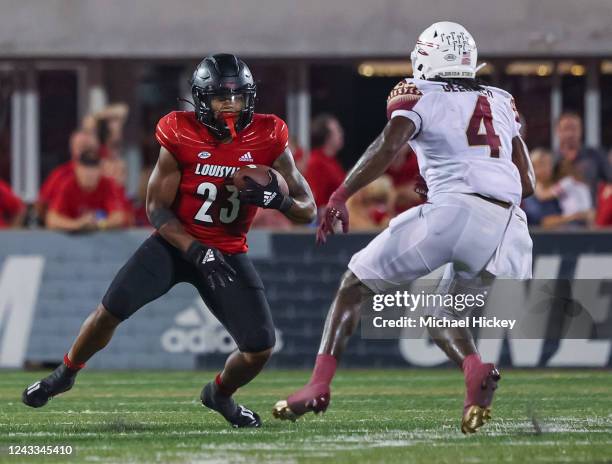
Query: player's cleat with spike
[[315, 398], [39, 393], [481, 383], [236, 414]]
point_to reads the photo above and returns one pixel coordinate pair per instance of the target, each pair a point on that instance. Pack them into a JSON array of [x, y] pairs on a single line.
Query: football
[[260, 174]]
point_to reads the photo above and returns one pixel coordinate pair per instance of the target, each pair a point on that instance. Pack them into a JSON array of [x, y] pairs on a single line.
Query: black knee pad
[[257, 340]]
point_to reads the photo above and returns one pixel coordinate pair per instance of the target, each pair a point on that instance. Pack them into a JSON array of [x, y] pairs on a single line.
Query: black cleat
[[236, 414], [38, 394]]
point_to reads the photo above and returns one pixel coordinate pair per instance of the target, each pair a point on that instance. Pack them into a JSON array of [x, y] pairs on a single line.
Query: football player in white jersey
[[477, 169]]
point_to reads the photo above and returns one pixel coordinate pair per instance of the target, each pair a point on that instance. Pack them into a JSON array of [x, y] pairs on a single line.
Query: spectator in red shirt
[[80, 141], [323, 171], [86, 200], [404, 172], [12, 209], [404, 168], [604, 206]]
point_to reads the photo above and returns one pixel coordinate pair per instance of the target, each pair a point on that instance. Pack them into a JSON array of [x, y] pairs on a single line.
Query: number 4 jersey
[[463, 139], [207, 202]]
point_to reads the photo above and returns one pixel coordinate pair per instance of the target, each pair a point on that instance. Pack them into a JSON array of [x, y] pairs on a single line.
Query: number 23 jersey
[[463, 139], [207, 202]]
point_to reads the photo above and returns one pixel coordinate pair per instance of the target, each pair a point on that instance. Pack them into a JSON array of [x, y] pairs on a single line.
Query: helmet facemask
[[217, 124]]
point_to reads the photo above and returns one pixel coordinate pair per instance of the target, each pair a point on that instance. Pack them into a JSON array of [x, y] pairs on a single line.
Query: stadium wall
[[49, 282], [295, 29]]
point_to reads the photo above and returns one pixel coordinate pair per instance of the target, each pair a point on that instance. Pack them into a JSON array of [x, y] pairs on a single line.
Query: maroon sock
[[72, 366], [324, 370], [471, 361], [222, 388]]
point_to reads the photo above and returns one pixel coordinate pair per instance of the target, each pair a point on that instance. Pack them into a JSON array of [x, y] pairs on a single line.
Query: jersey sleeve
[[402, 101], [281, 137], [166, 132]]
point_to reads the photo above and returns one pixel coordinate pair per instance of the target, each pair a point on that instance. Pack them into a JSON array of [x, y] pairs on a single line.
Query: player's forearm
[[379, 155], [169, 227], [161, 192], [372, 164], [302, 210]]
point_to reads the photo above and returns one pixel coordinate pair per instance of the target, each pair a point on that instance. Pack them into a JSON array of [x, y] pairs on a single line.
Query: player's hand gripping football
[[265, 196], [211, 264], [334, 216]]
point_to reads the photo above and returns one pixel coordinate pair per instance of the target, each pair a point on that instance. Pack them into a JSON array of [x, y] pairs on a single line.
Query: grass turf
[[396, 416]]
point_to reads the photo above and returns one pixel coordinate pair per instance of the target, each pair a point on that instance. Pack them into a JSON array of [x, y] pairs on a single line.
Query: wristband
[[341, 194], [161, 216], [193, 251]]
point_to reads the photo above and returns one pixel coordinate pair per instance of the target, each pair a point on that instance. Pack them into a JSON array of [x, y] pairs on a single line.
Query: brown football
[[261, 175]]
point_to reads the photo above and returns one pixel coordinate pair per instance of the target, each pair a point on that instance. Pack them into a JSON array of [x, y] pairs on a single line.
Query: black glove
[[211, 264], [265, 196]]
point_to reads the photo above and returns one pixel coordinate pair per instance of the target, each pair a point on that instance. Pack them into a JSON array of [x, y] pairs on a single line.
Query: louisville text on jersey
[[215, 170]]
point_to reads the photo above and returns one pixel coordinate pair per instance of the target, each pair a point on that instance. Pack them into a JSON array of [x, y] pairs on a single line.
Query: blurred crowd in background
[[88, 192]]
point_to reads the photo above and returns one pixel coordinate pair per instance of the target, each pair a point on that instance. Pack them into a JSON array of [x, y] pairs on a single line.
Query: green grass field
[[395, 416]]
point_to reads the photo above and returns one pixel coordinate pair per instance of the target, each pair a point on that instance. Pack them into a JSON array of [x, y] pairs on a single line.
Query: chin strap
[[229, 120], [479, 67]]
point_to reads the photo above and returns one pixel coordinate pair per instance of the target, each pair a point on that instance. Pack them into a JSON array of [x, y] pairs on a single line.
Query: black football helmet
[[222, 74]]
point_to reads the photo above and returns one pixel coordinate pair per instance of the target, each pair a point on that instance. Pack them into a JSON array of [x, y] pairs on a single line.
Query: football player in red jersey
[[201, 222]]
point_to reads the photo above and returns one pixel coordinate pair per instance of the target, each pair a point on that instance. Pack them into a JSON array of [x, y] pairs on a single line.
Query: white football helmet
[[444, 49]]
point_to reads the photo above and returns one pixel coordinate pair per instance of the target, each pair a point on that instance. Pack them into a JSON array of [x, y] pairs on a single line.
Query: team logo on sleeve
[[404, 90], [403, 97]]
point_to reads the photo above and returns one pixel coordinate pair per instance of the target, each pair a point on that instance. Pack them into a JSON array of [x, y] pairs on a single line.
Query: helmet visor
[[228, 102]]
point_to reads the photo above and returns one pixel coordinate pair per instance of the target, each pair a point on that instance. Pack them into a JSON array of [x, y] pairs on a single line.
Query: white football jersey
[[463, 139]]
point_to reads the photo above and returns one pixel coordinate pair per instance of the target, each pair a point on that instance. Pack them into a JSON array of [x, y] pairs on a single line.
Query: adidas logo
[[247, 158], [244, 412], [196, 330], [32, 388], [208, 257], [268, 197]]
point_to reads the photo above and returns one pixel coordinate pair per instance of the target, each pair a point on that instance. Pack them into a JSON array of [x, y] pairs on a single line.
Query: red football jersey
[[207, 202]]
